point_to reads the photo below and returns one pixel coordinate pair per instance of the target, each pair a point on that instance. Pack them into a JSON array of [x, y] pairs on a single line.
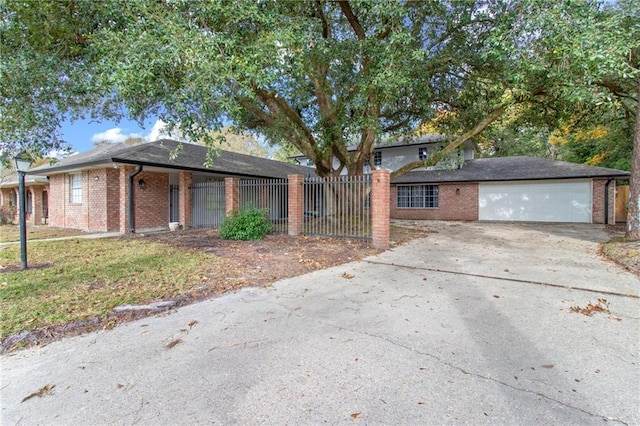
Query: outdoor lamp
[[23, 163]]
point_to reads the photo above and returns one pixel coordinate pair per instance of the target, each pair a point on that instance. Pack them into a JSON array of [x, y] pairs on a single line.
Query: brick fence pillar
[[380, 208], [231, 195], [295, 204], [185, 180]]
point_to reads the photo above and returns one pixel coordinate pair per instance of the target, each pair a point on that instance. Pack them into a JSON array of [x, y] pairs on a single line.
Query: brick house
[[120, 188], [502, 189], [36, 192], [509, 189]]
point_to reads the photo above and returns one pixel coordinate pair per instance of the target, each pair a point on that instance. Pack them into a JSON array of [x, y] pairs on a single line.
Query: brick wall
[[455, 202], [105, 202], [57, 200], [152, 201], [598, 201]]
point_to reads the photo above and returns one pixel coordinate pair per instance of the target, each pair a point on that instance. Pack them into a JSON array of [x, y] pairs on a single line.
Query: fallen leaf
[[496, 296], [192, 323], [590, 309], [173, 343], [347, 276], [547, 366], [355, 415], [45, 390]]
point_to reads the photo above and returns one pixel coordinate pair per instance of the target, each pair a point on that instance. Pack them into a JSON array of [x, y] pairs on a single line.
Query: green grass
[[88, 278], [10, 233]]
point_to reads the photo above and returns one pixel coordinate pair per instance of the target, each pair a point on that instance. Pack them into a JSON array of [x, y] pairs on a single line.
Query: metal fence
[[174, 203], [207, 204], [268, 194], [338, 206]]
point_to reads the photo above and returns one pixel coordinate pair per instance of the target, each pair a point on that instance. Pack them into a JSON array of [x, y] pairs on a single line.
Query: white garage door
[[557, 201]]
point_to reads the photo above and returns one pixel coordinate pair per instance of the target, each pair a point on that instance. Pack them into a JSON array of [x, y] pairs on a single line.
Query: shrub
[[248, 224], [7, 214]]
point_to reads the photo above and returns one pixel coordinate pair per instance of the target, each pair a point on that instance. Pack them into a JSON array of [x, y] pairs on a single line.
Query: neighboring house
[[502, 189], [120, 188], [36, 192]]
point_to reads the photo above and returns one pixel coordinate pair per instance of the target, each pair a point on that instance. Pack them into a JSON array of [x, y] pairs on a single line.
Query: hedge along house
[[121, 188], [36, 193], [509, 189]]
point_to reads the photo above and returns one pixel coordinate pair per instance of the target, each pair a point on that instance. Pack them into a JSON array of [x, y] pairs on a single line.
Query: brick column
[[380, 207], [5, 196], [185, 180], [231, 195], [124, 198], [295, 204], [36, 197]]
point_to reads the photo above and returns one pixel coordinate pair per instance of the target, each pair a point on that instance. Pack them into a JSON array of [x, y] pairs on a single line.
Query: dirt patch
[[248, 264]]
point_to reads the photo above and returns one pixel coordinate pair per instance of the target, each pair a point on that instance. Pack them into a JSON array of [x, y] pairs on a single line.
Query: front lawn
[[77, 279]]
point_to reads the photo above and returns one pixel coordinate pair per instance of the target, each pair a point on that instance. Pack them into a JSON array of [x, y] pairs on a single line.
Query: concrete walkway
[[72, 237], [471, 325]]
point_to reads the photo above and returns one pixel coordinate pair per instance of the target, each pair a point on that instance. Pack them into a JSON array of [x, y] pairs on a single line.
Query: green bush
[[248, 224], [7, 214]]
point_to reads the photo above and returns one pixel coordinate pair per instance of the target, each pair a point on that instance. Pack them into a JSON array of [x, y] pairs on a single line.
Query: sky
[[82, 134]]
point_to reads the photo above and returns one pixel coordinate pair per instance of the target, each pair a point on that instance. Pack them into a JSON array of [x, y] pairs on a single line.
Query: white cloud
[[117, 134], [114, 135]]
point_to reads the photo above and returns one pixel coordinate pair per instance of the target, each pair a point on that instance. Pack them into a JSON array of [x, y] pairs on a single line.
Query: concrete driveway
[[471, 325]]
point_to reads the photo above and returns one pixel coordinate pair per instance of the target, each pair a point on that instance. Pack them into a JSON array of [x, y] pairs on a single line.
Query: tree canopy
[[320, 76]]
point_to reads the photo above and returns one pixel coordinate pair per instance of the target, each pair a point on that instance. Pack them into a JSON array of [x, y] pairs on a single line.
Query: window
[[417, 197], [422, 153], [377, 159], [75, 188]]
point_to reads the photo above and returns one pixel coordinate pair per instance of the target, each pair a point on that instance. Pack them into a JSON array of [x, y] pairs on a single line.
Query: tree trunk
[[633, 215]]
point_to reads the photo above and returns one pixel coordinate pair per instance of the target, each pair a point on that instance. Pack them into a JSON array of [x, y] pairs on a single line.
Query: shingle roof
[[12, 181], [192, 158], [510, 169]]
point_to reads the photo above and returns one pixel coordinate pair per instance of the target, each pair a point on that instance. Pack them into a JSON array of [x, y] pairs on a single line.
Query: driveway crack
[[493, 277]]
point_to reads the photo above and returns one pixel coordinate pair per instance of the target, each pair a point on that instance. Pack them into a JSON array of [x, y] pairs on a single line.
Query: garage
[[536, 201]]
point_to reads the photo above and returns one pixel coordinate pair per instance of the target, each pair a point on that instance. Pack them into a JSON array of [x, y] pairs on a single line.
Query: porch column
[[380, 208], [36, 197], [295, 204], [123, 199], [231, 195], [185, 180]]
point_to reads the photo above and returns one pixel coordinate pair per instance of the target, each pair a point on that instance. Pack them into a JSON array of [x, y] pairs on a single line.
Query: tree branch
[[353, 20], [326, 29]]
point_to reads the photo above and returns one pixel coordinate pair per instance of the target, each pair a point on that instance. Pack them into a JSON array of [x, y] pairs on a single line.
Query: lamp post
[[23, 163]]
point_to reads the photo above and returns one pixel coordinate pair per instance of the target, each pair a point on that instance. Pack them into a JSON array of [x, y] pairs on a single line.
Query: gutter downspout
[[132, 228], [606, 200]]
